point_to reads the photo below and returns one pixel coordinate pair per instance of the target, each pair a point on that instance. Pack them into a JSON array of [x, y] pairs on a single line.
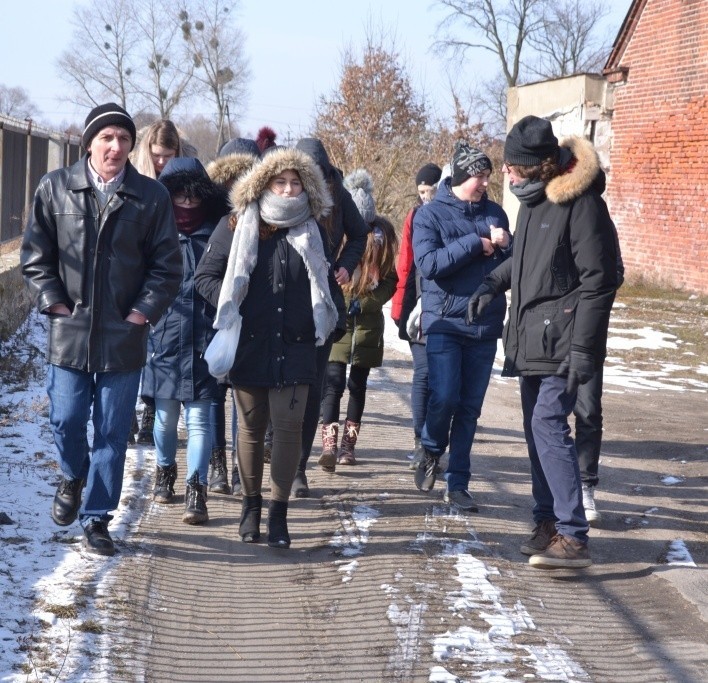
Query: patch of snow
[[642, 338], [679, 555], [671, 480]]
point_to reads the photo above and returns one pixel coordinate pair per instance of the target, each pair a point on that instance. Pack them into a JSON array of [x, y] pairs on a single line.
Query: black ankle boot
[[278, 536], [218, 475], [147, 425], [195, 509], [250, 527], [165, 478]]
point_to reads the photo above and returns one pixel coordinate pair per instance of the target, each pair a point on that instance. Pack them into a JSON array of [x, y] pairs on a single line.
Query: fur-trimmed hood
[[231, 167], [250, 187], [582, 174]]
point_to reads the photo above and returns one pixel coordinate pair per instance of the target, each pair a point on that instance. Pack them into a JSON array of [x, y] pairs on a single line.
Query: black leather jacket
[[101, 266]]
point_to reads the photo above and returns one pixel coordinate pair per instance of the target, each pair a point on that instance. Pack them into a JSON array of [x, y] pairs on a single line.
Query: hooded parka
[[176, 368], [562, 298], [100, 265], [277, 339]]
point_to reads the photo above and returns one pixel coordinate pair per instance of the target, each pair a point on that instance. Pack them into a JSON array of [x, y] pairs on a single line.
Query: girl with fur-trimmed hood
[[176, 373], [275, 297]]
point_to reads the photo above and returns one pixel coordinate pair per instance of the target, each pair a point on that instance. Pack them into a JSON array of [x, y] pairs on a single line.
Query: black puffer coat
[[100, 270], [563, 274], [176, 368]]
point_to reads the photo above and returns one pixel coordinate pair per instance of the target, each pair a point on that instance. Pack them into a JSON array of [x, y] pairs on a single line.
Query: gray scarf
[[284, 212], [528, 191], [303, 236]]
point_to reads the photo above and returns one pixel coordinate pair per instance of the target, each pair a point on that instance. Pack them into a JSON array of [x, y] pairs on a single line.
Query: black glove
[[580, 367], [354, 307], [479, 301]]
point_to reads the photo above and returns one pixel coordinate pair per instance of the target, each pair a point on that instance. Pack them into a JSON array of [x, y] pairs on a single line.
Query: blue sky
[[294, 50]]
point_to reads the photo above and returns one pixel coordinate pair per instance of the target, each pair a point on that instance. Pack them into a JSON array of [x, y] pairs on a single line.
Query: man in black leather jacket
[[101, 258]]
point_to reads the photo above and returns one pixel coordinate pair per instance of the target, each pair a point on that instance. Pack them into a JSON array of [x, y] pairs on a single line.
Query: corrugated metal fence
[[27, 152]]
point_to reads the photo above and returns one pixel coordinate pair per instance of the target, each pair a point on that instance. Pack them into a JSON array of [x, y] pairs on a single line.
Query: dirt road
[[384, 583]]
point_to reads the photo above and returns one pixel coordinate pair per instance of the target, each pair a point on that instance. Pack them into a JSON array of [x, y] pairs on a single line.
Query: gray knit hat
[[530, 141], [467, 162], [361, 185]]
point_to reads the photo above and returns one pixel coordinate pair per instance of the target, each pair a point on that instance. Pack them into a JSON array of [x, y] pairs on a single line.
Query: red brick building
[[658, 185]]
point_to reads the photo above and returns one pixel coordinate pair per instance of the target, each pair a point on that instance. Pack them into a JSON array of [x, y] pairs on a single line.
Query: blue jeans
[[459, 369], [555, 476], [108, 399], [419, 387], [199, 434]]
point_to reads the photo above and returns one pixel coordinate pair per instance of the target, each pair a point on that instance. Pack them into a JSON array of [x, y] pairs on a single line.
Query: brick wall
[[658, 185]]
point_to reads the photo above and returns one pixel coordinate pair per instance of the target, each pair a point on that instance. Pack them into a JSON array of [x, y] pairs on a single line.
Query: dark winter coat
[[563, 274], [345, 219], [277, 340], [362, 344], [100, 270], [448, 253], [176, 368]]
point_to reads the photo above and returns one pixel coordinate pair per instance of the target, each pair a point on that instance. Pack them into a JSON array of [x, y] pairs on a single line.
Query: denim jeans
[[588, 428], [419, 387], [199, 434], [555, 476], [218, 417], [108, 399], [459, 369]]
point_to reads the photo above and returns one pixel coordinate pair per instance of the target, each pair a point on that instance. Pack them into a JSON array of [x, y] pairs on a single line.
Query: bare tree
[[502, 28], [567, 43], [167, 74], [215, 46], [374, 119], [99, 63], [16, 102]]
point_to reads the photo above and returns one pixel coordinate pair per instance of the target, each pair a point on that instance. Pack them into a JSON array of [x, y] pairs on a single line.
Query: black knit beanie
[[530, 141], [467, 162], [428, 175], [110, 114]]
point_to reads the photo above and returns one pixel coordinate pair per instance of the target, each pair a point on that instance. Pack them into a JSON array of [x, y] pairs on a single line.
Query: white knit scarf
[[303, 237]]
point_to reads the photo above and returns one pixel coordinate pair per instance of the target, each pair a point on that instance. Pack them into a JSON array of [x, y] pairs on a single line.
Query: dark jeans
[[459, 369], [217, 414], [334, 390], [555, 477], [314, 400], [588, 428], [419, 387]]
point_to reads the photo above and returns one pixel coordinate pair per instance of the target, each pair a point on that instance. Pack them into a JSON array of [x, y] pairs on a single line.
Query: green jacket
[[362, 344]]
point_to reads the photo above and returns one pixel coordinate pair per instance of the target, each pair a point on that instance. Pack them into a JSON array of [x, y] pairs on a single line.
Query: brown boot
[[349, 437], [328, 459]]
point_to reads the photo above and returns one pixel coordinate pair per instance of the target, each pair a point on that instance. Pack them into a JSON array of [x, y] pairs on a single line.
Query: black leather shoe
[[67, 501], [97, 540]]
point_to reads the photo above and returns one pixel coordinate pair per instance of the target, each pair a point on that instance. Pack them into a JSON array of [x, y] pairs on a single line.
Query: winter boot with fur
[[349, 437], [328, 459], [195, 509], [278, 536], [165, 478], [218, 474], [250, 527]]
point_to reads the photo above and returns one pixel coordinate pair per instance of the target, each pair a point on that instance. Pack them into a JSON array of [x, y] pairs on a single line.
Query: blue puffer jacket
[[176, 368], [448, 252]]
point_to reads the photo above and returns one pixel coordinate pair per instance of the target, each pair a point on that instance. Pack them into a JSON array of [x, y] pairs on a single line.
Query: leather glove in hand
[[580, 367], [479, 301]]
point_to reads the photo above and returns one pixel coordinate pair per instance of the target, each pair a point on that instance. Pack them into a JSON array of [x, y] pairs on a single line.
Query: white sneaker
[[591, 512]]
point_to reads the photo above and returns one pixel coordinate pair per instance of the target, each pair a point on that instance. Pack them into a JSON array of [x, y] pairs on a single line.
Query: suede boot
[[349, 437], [250, 527], [278, 536]]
